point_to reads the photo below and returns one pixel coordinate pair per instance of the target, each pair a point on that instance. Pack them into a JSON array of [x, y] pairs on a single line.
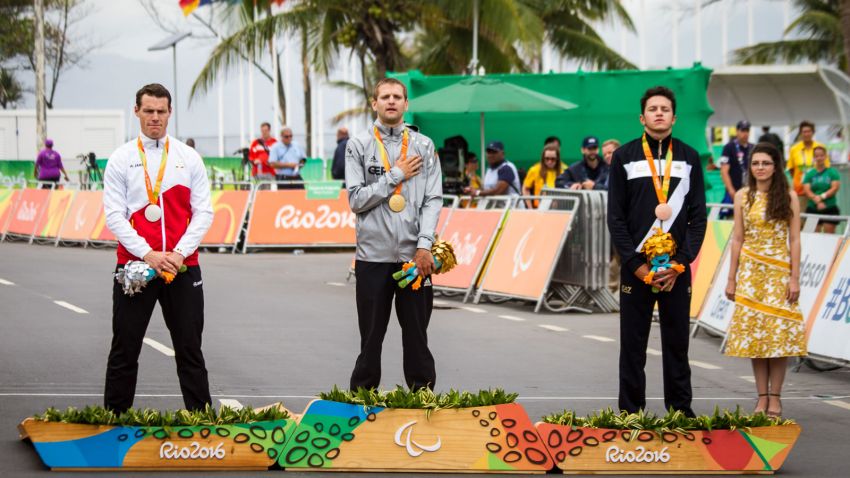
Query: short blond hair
[[388, 81], [611, 141]]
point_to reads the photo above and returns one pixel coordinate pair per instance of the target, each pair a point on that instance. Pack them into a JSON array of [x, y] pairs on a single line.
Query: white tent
[[779, 95]]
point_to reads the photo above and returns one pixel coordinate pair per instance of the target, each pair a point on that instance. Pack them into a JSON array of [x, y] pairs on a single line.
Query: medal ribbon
[[153, 193], [385, 155], [661, 188]]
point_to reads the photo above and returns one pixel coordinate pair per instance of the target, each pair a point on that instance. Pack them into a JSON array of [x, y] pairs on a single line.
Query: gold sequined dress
[[765, 324]]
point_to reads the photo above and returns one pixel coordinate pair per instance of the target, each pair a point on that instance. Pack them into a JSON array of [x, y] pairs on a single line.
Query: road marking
[[159, 347], [599, 338], [652, 351], [837, 403], [335, 284], [5, 282], [748, 378], [553, 328], [62, 303], [707, 366], [231, 403], [473, 309], [511, 317]]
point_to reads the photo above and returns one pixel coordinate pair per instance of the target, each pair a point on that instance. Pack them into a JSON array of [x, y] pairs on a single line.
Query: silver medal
[[153, 213]]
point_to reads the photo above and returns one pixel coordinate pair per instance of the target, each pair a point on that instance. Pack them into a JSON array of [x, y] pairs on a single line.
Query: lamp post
[[171, 42]]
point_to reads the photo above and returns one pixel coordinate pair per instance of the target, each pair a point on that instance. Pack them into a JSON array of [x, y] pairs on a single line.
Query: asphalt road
[[282, 327]]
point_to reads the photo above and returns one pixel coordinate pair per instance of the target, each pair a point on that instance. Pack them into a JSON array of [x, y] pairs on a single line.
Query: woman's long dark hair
[[543, 168], [778, 196]]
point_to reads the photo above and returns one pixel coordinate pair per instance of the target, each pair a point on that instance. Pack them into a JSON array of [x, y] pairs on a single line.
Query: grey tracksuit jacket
[[384, 235]]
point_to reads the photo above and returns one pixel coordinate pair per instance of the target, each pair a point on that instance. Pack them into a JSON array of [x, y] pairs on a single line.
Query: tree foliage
[[64, 49], [816, 35]]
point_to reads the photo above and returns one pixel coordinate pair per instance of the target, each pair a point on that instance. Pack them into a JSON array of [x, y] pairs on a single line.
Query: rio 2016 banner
[[817, 253], [82, 217], [470, 232], [829, 321], [526, 253], [229, 208], [705, 265], [288, 218], [28, 211]]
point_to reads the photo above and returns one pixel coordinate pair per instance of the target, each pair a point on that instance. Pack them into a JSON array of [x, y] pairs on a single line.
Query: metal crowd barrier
[[580, 281]]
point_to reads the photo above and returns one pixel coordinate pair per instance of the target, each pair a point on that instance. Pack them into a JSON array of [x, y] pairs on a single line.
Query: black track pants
[[637, 302], [182, 304], [375, 292]]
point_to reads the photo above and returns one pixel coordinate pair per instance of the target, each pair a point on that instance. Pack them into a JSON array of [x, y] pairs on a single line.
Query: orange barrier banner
[[28, 211], [470, 232], [445, 213], [525, 254], [101, 233], [85, 210], [229, 208], [288, 218], [8, 199], [716, 237], [57, 209]]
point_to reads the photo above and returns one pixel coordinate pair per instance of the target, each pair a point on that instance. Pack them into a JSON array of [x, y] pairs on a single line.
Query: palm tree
[[512, 32], [823, 28]]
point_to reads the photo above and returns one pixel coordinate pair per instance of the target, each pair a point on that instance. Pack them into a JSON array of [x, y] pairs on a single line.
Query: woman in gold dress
[[764, 277]]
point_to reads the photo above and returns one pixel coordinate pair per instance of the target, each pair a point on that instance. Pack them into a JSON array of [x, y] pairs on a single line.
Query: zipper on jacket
[[162, 219]]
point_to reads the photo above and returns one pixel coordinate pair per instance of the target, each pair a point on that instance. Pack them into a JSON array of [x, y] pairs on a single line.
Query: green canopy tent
[[486, 95]]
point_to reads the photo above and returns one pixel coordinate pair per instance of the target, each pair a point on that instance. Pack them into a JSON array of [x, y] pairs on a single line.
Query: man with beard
[[589, 173], [656, 183], [394, 186]]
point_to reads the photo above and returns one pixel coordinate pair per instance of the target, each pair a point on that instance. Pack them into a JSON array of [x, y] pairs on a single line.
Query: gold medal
[[397, 203]]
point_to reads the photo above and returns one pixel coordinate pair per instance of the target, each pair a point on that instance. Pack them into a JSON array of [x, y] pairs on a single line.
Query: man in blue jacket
[[589, 173]]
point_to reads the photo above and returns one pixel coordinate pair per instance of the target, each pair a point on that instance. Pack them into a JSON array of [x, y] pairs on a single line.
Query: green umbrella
[[486, 95]]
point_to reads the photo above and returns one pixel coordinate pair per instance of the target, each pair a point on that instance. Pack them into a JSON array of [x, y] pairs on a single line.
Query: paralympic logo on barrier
[[521, 265], [289, 217]]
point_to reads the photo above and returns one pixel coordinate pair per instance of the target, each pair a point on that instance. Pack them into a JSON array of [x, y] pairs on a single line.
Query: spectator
[[190, 142], [608, 148], [501, 178], [589, 173], [258, 154], [338, 167], [820, 185], [552, 140], [48, 165], [801, 157], [471, 179], [772, 138], [286, 158], [543, 173], [734, 164]]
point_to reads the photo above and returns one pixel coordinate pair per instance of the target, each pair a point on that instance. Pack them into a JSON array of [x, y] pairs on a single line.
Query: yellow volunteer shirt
[[535, 183], [800, 160]]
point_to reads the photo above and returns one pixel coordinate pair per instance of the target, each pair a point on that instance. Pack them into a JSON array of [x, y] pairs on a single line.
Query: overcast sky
[[122, 63]]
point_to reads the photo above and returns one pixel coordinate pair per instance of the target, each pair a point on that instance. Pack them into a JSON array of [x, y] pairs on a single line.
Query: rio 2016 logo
[[289, 217], [640, 455], [170, 451]]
